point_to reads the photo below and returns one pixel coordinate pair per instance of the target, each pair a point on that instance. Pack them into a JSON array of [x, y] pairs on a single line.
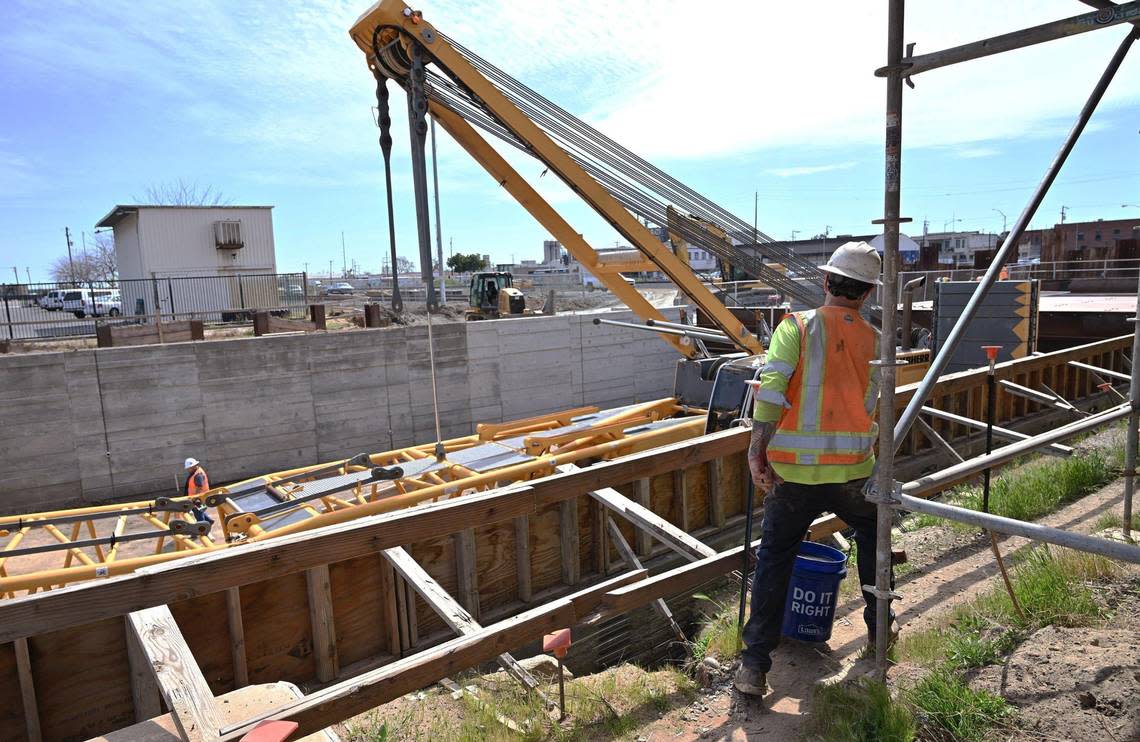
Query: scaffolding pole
[[882, 487], [1130, 442]]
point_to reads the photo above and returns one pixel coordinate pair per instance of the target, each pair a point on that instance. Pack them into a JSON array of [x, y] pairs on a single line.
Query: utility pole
[[28, 273], [1002, 219], [330, 270], [70, 260], [438, 229], [16, 273], [1064, 213], [343, 258], [794, 233]]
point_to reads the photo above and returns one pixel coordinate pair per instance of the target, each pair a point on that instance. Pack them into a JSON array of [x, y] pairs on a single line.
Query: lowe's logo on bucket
[[813, 592]]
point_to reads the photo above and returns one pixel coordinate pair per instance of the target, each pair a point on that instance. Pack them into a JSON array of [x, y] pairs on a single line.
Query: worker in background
[[197, 483], [812, 444]]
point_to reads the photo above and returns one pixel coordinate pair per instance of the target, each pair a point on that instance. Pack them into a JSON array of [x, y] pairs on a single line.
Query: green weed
[[945, 704], [862, 711]]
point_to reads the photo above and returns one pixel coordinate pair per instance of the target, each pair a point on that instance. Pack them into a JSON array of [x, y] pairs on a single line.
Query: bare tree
[[403, 265], [94, 264], [182, 193]]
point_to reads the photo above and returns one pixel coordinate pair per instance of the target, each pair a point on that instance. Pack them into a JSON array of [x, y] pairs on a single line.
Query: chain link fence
[[38, 311]]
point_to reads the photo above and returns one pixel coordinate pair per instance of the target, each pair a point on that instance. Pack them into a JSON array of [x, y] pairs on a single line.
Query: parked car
[[52, 300], [341, 287], [93, 302]]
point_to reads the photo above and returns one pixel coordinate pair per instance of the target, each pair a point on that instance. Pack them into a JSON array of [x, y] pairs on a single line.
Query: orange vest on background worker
[[197, 482], [829, 418]]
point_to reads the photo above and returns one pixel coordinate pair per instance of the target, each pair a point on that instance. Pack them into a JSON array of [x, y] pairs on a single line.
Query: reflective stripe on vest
[[831, 396]]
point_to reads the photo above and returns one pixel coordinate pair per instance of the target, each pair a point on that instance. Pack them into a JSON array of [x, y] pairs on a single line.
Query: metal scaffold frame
[[888, 494]]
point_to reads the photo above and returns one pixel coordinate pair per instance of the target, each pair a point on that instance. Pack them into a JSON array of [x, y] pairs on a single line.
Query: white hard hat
[[856, 260], [190, 463]]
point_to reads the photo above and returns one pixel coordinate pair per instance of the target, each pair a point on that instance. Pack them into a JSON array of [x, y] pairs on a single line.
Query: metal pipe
[[679, 326], [1130, 443], [939, 480], [1034, 531], [908, 306], [700, 335], [1009, 247], [885, 468]]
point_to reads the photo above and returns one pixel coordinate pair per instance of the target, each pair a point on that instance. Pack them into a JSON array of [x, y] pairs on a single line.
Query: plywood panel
[[733, 481], [85, 662], [545, 549], [495, 565], [11, 706], [697, 486], [437, 557], [661, 497], [278, 631], [204, 624], [359, 612]]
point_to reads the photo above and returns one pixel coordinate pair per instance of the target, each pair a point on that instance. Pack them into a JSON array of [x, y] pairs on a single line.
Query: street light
[[1002, 219]]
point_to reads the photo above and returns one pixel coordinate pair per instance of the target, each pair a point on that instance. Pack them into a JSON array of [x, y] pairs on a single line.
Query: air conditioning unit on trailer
[[227, 235]]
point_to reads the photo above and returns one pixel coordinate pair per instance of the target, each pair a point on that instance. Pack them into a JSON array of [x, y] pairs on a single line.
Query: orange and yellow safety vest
[[820, 389]]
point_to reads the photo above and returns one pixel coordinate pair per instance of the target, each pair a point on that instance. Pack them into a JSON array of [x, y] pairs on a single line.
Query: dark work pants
[[788, 512]]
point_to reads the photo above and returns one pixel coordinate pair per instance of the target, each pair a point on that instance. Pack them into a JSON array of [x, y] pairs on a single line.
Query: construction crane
[[464, 92]]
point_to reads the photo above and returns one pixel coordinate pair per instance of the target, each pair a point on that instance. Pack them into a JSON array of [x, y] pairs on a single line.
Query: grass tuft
[[720, 631], [860, 711], [1030, 491], [946, 706], [1110, 520]]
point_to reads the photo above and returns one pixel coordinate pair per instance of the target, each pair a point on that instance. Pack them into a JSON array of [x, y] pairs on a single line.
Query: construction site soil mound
[[1074, 683]]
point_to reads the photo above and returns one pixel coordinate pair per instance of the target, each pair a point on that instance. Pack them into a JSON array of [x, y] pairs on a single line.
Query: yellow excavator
[[493, 296]]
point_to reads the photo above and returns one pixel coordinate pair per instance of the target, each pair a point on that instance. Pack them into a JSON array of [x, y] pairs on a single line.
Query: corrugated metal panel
[[180, 242]]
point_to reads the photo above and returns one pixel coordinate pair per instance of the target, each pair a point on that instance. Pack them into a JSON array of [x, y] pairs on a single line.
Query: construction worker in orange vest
[[812, 444], [197, 483]]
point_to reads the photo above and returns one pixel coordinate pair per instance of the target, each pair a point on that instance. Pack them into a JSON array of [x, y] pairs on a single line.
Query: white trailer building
[[207, 242]]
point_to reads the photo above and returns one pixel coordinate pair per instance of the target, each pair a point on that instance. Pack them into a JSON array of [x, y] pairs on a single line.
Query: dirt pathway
[[929, 591]]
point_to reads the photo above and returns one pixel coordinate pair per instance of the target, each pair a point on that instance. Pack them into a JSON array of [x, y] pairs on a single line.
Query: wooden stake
[[321, 616], [27, 690], [237, 637]]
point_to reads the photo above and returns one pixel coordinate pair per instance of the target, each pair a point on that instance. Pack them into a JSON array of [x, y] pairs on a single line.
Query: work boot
[[750, 682], [892, 637]]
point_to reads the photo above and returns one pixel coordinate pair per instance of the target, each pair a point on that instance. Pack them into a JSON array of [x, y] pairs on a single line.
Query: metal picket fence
[[36, 311]]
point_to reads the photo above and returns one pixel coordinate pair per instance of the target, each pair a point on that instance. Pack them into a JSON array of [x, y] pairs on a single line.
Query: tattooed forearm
[[761, 435]]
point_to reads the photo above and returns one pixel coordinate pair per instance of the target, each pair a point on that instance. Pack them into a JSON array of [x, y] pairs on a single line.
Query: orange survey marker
[[271, 731], [557, 643]]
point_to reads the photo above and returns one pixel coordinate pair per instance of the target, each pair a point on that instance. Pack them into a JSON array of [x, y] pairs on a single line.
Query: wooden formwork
[[325, 608]]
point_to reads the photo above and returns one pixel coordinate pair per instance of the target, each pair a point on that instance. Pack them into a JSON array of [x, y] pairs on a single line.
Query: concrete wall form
[[96, 425]]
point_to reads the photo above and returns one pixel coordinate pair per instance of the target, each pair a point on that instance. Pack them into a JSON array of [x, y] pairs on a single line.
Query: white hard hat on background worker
[[857, 260], [190, 463]]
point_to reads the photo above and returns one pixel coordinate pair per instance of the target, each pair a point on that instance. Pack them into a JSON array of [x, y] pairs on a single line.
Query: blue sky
[[270, 103]]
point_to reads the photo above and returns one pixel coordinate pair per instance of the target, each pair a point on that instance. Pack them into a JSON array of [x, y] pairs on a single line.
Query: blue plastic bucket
[[813, 592]]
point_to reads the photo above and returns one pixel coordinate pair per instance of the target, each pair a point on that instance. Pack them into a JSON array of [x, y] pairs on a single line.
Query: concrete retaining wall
[[91, 426]]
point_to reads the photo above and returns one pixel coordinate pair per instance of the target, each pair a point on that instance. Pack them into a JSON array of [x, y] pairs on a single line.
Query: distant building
[[1113, 239], [551, 252], [960, 249]]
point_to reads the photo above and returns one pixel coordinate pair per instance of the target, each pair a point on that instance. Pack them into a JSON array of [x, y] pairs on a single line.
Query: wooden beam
[[413, 622], [144, 688], [681, 499], [642, 538], [402, 615], [569, 541], [466, 571], [644, 518], [449, 609], [368, 690], [522, 558], [631, 559], [319, 589], [179, 680], [388, 601], [601, 541], [27, 691], [715, 472], [237, 637]]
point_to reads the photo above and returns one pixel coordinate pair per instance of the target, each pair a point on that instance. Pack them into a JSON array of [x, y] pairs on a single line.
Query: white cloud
[[973, 153], [791, 172]]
